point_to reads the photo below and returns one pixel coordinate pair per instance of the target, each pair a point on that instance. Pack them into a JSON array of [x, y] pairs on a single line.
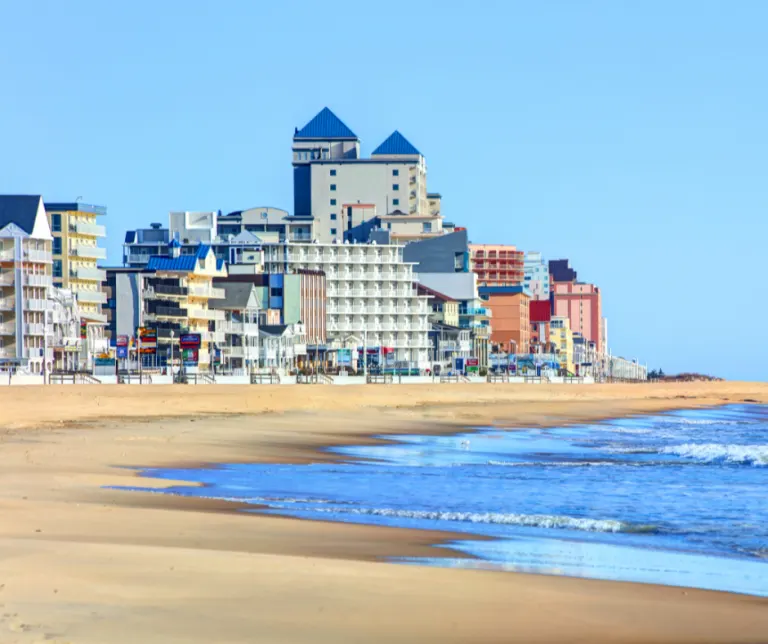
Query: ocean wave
[[715, 453], [551, 463], [530, 520], [701, 421]]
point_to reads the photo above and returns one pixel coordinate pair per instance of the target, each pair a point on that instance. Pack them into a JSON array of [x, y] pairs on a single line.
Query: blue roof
[[178, 264], [326, 125], [175, 243], [396, 144], [20, 210]]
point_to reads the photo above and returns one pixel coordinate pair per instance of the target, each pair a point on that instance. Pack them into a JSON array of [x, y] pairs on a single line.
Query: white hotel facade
[[371, 299]]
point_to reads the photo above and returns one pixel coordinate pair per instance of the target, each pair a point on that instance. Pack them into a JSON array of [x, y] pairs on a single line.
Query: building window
[[333, 187], [333, 216], [395, 173], [389, 225], [395, 202], [57, 245], [333, 202], [333, 173], [333, 231], [57, 268], [426, 227], [395, 186], [56, 223]]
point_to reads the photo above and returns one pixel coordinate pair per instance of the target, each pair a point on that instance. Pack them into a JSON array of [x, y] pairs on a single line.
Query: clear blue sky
[[630, 137]]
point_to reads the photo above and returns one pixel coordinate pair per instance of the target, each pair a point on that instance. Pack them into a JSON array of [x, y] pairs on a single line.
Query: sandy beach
[[82, 563]]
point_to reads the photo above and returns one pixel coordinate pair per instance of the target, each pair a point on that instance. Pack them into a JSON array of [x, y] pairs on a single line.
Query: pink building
[[582, 305]]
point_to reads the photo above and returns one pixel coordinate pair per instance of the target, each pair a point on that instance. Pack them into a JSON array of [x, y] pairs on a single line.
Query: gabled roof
[[325, 125], [20, 210], [178, 264], [425, 290], [396, 144], [237, 296], [245, 237]]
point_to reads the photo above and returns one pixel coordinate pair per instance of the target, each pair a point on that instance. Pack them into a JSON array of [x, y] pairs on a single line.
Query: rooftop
[[325, 125], [20, 210], [396, 144], [183, 263]]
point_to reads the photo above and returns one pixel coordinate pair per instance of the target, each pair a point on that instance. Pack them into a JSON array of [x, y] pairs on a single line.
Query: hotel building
[[347, 196], [370, 296], [76, 254], [536, 276], [497, 264], [25, 280]]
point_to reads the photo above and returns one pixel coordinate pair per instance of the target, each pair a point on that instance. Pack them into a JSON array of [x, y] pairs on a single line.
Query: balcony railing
[[7, 328], [35, 305], [88, 273], [91, 297], [41, 256], [7, 304], [83, 228], [92, 252], [200, 290], [34, 329], [92, 316]]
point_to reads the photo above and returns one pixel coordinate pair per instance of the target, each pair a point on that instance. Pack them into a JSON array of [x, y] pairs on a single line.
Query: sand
[[83, 563]]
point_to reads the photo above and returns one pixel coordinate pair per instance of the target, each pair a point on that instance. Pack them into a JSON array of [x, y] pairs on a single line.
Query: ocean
[[679, 498]]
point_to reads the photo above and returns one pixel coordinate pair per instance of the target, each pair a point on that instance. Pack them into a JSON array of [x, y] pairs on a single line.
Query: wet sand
[[82, 563]]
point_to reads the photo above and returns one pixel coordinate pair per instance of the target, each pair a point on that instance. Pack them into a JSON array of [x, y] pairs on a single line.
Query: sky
[[628, 137]]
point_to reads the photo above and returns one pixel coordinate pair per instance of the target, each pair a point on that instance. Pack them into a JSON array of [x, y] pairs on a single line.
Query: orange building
[[510, 305], [497, 264]]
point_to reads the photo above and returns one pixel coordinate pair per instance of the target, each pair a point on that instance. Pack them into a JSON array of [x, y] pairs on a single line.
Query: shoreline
[[153, 567]]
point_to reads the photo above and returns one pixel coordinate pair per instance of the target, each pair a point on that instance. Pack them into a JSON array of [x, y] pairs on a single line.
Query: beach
[[81, 562]]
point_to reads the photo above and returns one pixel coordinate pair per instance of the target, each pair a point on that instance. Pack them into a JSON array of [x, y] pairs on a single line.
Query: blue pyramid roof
[[182, 263], [326, 125], [396, 144]]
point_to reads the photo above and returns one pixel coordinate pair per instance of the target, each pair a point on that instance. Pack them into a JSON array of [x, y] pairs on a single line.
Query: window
[[333, 173], [57, 245], [333, 231], [276, 291], [395, 202], [56, 223], [333, 216], [389, 225], [395, 173], [333, 187], [57, 268], [395, 186], [426, 227], [333, 202]]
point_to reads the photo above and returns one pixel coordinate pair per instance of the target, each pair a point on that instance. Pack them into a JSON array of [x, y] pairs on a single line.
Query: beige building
[[25, 279], [176, 299], [331, 179]]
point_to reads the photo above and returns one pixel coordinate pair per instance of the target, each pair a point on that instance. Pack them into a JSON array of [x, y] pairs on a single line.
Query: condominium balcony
[[91, 297], [7, 278], [199, 313], [481, 311], [34, 329], [92, 230], [138, 258], [90, 273], [91, 252], [7, 303], [165, 312], [201, 290], [39, 256], [6, 254], [35, 305], [7, 328], [93, 316]]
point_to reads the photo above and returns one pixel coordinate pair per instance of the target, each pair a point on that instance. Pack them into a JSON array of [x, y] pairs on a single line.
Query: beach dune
[[81, 562]]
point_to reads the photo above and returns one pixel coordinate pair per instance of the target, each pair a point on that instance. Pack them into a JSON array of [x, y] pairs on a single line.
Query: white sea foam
[[531, 520], [713, 452], [551, 463], [701, 421]]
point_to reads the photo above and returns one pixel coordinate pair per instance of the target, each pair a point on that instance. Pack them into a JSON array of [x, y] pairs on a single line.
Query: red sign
[[472, 362], [122, 340], [189, 341]]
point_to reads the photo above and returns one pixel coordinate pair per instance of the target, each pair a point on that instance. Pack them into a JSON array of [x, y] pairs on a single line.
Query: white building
[[25, 278], [347, 196], [536, 276], [371, 299], [66, 339]]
